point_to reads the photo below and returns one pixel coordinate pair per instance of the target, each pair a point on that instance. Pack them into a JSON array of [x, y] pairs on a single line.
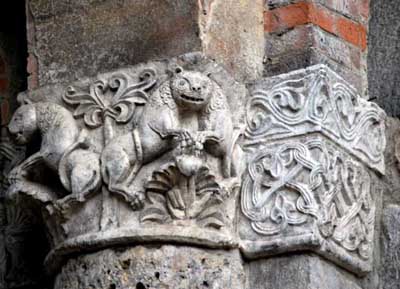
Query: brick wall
[[306, 32]]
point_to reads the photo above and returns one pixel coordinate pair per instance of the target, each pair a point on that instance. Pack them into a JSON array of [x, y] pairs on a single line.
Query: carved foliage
[[200, 128], [68, 149], [175, 195], [95, 104], [114, 98], [179, 131]]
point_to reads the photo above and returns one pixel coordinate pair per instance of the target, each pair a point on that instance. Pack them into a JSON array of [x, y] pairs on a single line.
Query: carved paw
[[137, 200], [204, 136], [16, 174], [186, 141]]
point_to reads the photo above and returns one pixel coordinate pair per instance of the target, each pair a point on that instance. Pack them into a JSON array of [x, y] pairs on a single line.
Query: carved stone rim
[[159, 234], [313, 242]]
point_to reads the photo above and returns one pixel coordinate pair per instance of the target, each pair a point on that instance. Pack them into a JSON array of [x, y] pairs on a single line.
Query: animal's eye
[[182, 83]]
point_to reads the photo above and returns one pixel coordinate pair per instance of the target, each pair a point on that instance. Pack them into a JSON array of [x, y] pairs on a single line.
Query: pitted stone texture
[[233, 34], [384, 54], [74, 39], [392, 162], [298, 271], [82, 38], [154, 267], [146, 153], [390, 262]]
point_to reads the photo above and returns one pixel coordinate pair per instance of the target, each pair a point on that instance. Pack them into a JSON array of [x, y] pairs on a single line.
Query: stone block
[[384, 56], [303, 271], [354, 9], [298, 39], [75, 39], [158, 267], [307, 45], [338, 50], [390, 256]]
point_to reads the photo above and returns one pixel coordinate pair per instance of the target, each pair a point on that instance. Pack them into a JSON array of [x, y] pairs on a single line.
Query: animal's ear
[[23, 98], [175, 69]]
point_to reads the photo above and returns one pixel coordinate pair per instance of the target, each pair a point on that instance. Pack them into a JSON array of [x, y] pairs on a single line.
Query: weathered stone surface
[[233, 35], [390, 256], [384, 55], [305, 187], [391, 193], [298, 271], [308, 45], [143, 154], [75, 39], [154, 267], [153, 154], [317, 99]]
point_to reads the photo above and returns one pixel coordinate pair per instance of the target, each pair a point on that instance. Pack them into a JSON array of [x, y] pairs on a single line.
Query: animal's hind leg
[[85, 176], [116, 168], [120, 166], [119, 184]]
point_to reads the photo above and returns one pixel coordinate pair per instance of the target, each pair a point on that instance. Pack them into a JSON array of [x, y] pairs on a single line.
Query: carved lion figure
[[59, 135], [188, 111]]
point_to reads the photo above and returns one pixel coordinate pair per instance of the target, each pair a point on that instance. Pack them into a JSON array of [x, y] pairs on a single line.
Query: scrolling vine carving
[[311, 141]]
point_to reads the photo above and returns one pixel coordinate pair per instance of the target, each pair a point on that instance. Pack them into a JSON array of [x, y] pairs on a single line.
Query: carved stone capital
[[313, 148], [161, 152], [149, 153]]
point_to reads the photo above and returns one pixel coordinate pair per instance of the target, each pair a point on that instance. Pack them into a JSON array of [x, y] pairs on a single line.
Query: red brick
[[286, 17], [352, 32], [357, 10], [301, 13], [322, 18]]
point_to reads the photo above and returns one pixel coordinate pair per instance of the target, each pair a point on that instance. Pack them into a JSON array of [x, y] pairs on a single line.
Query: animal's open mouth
[[190, 98]]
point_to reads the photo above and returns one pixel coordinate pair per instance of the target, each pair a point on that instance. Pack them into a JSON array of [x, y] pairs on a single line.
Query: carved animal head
[[23, 124], [191, 90]]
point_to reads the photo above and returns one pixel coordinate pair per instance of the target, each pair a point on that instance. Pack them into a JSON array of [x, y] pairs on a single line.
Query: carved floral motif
[[158, 138], [187, 188], [184, 190], [161, 145], [115, 98]]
